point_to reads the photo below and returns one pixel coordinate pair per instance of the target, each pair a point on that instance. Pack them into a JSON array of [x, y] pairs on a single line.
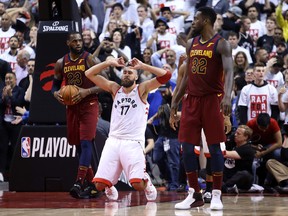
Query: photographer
[[237, 172]]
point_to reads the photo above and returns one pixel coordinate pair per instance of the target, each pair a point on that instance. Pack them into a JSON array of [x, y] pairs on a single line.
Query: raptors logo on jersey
[[129, 113]]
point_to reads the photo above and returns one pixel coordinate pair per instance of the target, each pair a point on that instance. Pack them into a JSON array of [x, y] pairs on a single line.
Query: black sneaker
[[207, 196], [282, 190], [269, 189], [76, 189], [90, 192], [198, 200]]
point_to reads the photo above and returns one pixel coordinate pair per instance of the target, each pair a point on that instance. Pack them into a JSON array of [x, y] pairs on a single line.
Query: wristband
[[165, 78]]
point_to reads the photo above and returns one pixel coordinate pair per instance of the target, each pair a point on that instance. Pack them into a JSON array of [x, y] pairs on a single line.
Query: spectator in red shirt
[[269, 141]]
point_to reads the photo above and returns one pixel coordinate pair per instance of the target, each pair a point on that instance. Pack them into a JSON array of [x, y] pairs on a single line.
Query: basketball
[[67, 92]]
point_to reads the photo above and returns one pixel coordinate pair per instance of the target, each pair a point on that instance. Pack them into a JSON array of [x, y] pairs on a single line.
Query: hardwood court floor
[[134, 203]]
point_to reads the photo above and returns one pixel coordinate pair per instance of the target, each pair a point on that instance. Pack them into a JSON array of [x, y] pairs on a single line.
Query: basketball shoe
[[90, 192], [76, 189], [216, 202], [207, 197], [192, 200], [111, 193], [150, 190]]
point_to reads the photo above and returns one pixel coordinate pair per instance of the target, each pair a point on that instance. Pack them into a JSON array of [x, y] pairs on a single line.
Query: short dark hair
[[253, 6], [263, 120], [11, 72], [259, 64], [232, 34], [209, 13], [143, 6], [272, 19], [14, 36], [279, 62], [73, 33], [165, 9], [117, 5]]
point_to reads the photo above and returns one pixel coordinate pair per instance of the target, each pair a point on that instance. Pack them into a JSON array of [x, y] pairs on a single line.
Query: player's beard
[[75, 51], [194, 34], [127, 83]]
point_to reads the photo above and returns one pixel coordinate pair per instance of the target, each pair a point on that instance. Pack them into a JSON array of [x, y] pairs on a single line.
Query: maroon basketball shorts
[[82, 121], [202, 112]]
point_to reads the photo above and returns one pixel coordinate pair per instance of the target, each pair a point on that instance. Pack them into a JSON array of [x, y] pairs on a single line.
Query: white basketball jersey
[[129, 116]]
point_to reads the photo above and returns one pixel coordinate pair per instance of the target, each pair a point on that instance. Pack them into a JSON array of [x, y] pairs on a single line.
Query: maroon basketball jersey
[[205, 68], [74, 72]]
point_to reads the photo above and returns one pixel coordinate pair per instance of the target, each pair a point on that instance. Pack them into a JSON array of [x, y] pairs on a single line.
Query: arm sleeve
[[56, 85], [243, 114], [275, 111]]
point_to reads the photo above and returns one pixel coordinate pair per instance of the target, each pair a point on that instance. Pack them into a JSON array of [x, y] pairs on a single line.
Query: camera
[[133, 26], [108, 39]]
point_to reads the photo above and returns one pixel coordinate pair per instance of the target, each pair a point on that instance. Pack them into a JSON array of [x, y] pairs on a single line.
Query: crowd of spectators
[[156, 32]]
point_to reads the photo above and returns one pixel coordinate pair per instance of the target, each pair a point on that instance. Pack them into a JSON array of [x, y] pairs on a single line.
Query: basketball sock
[[82, 171], [217, 180], [90, 174], [193, 180], [209, 183]]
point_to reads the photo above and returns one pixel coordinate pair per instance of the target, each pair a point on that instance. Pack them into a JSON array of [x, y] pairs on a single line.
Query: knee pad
[[189, 157], [217, 159]]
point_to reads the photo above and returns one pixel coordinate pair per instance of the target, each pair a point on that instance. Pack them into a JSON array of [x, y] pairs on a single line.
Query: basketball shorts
[[202, 112], [81, 121], [118, 155]]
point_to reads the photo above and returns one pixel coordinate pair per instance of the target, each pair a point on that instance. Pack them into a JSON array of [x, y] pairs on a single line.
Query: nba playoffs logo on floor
[[25, 147]]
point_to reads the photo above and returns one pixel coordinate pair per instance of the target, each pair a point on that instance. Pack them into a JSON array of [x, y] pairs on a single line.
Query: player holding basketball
[[82, 116], [124, 148], [203, 106]]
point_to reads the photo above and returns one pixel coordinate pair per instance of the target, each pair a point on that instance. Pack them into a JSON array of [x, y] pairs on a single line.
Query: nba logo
[[25, 147]]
